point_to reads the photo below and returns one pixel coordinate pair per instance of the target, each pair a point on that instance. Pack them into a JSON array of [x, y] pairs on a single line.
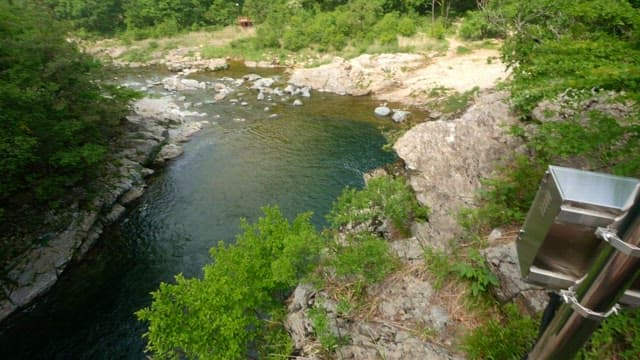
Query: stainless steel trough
[[557, 243]]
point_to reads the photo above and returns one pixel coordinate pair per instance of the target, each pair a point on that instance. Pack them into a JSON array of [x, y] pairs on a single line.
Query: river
[[300, 160]]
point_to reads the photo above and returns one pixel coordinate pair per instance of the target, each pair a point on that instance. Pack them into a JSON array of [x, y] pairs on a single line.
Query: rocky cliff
[[445, 161]]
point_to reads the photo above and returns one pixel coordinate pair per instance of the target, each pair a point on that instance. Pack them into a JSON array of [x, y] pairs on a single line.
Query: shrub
[[320, 321], [217, 317], [267, 37], [617, 338], [362, 258], [407, 26], [382, 198], [507, 338], [475, 26], [476, 272], [437, 29]]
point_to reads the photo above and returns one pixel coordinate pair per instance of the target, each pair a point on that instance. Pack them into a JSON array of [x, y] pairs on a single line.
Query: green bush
[[475, 271], [439, 264], [584, 44], [407, 26], [217, 317], [476, 26], [502, 339], [382, 198], [617, 338], [58, 114], [320, 322], [437, 29], [362, 258]]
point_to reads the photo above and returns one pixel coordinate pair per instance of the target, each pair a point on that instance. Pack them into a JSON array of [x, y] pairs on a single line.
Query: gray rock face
[[566, 106], [382, 111], [302, 297], [447, 159], [503, 260], [386, 333], [358, 76]]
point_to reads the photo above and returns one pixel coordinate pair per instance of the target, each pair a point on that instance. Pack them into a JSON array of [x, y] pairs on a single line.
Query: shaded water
[[300, 161]]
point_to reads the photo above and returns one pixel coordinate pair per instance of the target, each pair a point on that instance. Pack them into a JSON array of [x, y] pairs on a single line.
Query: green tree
[[99, 16], [56, 118], [240, 295]]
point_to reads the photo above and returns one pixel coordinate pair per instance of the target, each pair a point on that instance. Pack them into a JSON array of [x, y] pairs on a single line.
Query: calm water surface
[[300, 161]]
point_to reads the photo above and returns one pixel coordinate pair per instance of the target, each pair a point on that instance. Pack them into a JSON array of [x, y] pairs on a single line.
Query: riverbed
[[297, 157]]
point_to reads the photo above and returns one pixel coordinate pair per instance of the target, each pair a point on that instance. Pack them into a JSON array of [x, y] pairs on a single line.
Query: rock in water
[[382, 111], [297, 102], [400, 116], [168, 152]]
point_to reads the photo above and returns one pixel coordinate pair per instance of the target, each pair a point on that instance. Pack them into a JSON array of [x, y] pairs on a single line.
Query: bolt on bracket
[[613, 239], [569, 297]]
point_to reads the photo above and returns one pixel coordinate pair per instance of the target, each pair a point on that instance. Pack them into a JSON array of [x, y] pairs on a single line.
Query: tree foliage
[[581, 44], [233, 306], [582, 56], [55, 117]]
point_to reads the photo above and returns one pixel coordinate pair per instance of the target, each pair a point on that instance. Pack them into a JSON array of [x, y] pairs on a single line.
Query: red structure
[[245, 22]]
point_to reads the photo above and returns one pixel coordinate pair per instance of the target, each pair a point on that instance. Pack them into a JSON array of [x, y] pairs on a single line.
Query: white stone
[[382, 111]]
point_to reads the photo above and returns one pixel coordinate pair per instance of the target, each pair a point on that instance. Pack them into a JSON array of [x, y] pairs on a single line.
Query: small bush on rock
[[383, 198]]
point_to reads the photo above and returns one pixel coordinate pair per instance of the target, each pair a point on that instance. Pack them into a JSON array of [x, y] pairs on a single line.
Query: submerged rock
[[176, 83], [297, 102], [382, 111], [400, 115]]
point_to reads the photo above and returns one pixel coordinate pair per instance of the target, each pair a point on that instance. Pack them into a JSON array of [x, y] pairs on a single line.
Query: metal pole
[[611, 275]]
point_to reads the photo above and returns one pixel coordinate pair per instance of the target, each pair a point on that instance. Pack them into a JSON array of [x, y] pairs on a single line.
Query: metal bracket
[[569, 297], [613, 239]]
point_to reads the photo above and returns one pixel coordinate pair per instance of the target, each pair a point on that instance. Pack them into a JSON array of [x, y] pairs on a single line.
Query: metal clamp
[[613, 239], [569, 297]]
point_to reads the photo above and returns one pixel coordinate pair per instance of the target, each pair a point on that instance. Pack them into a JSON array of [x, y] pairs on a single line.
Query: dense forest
[[166, 16], [57, 116]]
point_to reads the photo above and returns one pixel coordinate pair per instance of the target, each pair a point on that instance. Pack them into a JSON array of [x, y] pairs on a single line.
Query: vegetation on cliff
[[582, 60], [237, 307]]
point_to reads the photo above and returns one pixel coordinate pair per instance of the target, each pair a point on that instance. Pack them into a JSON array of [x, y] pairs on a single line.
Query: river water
[[300, 161]]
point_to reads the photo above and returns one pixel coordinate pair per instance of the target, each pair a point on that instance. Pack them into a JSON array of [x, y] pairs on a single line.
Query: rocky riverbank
[[409, 319], [445, 161], [152, 133], [152, 136]]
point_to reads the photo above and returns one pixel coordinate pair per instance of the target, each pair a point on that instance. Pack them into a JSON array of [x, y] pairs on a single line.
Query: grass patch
[[450, 102], [462, 50], [323, 333], [508, 337], [137, 54]]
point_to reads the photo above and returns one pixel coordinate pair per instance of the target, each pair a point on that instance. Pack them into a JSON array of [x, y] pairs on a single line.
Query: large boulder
[[359, 76], [447, 159], [503, 261]]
